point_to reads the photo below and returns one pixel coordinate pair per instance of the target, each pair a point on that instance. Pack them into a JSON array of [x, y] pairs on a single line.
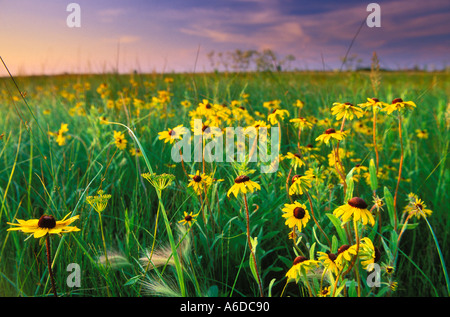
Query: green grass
[[37, 176]]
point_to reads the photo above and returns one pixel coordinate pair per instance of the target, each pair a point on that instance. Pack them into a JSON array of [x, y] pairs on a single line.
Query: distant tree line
[[249, 60]]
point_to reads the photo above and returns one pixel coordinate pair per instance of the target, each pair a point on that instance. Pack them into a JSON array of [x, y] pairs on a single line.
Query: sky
[[176, 35]]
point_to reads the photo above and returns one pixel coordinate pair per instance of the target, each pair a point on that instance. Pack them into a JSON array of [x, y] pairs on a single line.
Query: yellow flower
[[243, 184], [172, 134], [296, 161], [422, 134], [300, 266], [324, 292], [345, 255], [373, 103], [199, 182], [331, 134], [416, 207], [119, 140], [296, 214], [329, 261], [300, 184], [46, 224], [159, 182], [299, 104], [347, 110], [301, 123], [355, 208], [188, 218], [399, 104], [99, 201], [277, 115], [368, 253]]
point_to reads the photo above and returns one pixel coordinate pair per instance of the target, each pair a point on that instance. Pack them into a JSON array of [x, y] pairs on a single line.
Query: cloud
[[111, 14]]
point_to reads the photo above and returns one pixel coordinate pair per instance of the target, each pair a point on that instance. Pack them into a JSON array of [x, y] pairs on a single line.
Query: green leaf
[[270, 286], [340, 231], [350, 185], [373, 175], [390, 205]]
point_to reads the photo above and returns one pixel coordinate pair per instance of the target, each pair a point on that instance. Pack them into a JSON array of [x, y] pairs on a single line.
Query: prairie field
[[356, 202]]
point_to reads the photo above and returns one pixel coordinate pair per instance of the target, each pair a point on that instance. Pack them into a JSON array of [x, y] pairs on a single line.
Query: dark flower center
[[299, 259], [47, 221], [330, 130], [375, 99], [357, 203], [299, 212], [348, 104], [377, 255], [297, 155], [332, 256], [294, 178], [171, 132], [197, 178], [208, 106], [397, 100], [188, 218], [343, 248], [241, 179]]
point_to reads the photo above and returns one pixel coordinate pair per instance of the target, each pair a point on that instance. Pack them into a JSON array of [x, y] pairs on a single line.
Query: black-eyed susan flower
[[301, 123], [188, 219], [243, 184], [345, 255], [368, 253], [296, 214], [300, 266], [277, 115], [199, 182], [300, 184], [330, 134], [399, 104], [346, 110], [45, 225], [416, 207], [171, 135], [295, 159], [328, 260], [119, 140], [356, 209], [324, 292], [373, 103], [422, 133]]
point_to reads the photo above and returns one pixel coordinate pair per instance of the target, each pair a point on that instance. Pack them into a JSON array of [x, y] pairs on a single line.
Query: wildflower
[[136, 152], [329, 134], [172, 134], [368, 254], [46, 224], [324, 292], [301, 123], [160, 182], [393, 286], [299, 104], [373, 103], [199, 182], [389, 269], [346, 110], [296, 161], [243, 184], [329, 261], [119, 140], [188, 219], [422, 134], [355, 208], [59, 136], [399, 104], [296, 214], [99, 201], [345, 254], [277, 115], [416, 207], [299, 184], [301, 265]]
